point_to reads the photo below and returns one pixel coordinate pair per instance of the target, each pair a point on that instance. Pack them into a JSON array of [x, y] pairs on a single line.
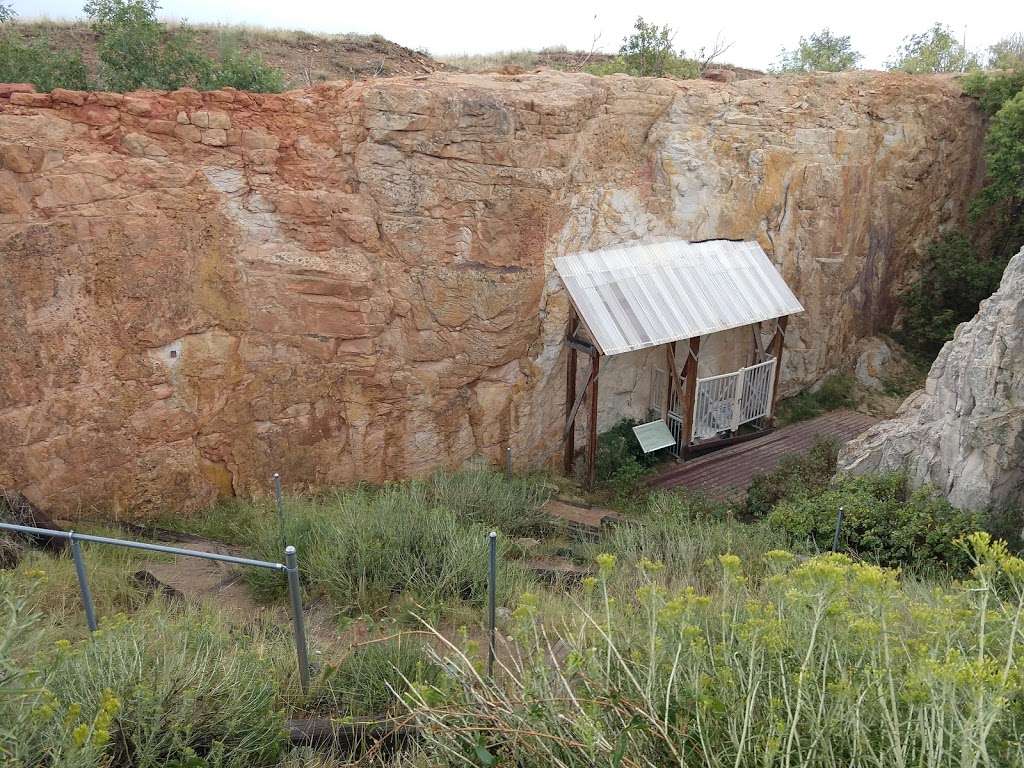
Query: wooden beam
[[595, 362], [670, 363], [691, 396], [759, 352], [778, 341], [570, 397], [582, 346]]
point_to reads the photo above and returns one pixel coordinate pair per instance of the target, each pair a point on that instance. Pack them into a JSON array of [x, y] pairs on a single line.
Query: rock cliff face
[[355, 282], [964, 433]]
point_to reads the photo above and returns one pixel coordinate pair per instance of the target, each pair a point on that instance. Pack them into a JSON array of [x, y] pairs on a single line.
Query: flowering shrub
[[827, 662]]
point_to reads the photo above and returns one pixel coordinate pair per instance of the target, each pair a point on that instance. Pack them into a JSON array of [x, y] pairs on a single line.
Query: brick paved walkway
[[729, 471]]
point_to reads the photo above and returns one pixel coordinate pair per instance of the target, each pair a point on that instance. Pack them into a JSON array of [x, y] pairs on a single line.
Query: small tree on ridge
[[819, 52]]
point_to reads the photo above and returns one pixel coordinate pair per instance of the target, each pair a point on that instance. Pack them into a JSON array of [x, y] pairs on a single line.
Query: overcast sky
[[756, 29]]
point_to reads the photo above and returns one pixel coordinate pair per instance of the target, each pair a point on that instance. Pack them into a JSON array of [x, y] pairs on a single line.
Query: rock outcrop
[[354, 281], [964, 433]]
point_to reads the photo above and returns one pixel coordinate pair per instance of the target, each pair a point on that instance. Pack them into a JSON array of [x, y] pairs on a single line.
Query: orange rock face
[[354, 282]]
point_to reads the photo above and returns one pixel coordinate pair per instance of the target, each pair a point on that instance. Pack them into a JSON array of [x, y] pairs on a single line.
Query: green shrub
[[619, 453], [371, 679], [1004, 157], [935, 50], [827, 663], [835, 392], [819, 52], [1007, 53], [136, 51], [953, 281], [963, 268], [244, 71], [513, 505], [794, 477], [152, 691], [993, 90], [648, 52], [39, 64], [366, 546], [882, 521]]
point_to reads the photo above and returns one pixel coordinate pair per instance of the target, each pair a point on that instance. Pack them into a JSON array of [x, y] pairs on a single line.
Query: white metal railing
[[725, 402], [722, 404]]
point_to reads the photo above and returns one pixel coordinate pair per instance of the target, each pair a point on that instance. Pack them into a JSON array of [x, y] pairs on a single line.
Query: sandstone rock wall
[[354, 281], [964, 433]]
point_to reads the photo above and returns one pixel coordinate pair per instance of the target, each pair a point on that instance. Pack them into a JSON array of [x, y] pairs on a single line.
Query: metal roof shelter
[[633, 297], [640, 296]]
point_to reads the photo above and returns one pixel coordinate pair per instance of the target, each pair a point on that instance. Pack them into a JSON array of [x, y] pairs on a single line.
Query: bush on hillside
[[244, 71], [935, 50], [648, 52], [962, 268], [1007, 53], [136, 50], [795, 476], [38, 64], [156, 690], [954, 279], [819, 52], [883, 521], [426, 541], [1004, 157]]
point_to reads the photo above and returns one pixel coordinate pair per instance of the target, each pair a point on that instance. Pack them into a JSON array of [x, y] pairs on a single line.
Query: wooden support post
[[670, 363], [595, 362], [691, 396], [778, 340], [570, 398], [759, 352]]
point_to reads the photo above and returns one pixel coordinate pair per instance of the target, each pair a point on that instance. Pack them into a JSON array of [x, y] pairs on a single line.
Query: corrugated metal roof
[[639, 296]]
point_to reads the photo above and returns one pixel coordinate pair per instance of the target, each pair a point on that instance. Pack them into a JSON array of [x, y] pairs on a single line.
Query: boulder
[[873, 360], [17, 510], [964, 433]]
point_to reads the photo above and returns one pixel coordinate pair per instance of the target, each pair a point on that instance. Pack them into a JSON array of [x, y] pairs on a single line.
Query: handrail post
[[295, 593], [83, 582], [492, 578], [839, 528]]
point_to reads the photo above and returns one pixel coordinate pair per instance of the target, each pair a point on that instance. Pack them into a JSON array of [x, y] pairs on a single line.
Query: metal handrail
[[72, 536], [290, 567]]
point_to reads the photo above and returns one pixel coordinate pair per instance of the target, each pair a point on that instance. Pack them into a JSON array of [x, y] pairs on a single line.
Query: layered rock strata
[[354, 282]]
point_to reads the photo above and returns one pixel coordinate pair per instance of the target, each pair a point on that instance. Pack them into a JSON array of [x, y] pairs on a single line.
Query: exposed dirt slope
[[307, 59]]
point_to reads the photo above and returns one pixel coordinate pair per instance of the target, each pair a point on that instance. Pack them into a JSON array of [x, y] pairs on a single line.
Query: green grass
[[698, 640], [160, 688], [421, 543], [686, 532], [371, 678], [365, 549], [835, 392], [826, 663]]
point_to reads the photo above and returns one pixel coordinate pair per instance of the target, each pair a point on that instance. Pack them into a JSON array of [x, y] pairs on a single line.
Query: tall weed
[[827, 662]]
